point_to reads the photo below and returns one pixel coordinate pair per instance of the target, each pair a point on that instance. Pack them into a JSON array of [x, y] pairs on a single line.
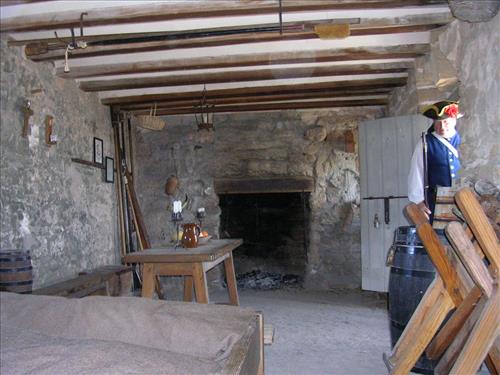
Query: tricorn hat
[[442, 110]]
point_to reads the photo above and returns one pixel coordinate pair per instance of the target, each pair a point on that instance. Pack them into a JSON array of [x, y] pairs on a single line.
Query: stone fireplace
[[274, 228], [296, 168]]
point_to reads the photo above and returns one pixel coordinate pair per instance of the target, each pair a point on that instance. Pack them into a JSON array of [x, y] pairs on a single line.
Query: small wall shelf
[[89, 163]]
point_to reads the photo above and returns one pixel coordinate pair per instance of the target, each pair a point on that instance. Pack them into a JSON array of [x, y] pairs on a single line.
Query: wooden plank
[[263, 185], [142, 107], [4, 3], [429, 327], [367, 84], [480, 226], [472, 262], [206, 253], [89, 163], [445, 336], [141, 225], [241, 76], [193, 9], [481, 339], [268, 334], [84, 284], [436, 252], [446, 361], [281, 106], [245, 60], [37, 54], [173, 269], [414, 326]]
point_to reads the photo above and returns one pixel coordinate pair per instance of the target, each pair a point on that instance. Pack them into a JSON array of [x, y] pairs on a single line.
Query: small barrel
[[16, 271], [411, 274]]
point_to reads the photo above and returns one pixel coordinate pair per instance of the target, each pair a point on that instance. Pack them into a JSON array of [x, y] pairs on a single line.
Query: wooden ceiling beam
[[4, 3], [241, 76], [96, 39], [262, 90], [277, 106], [38, 53], [232, 61], [254, 99], [193, 9], [307, 25]]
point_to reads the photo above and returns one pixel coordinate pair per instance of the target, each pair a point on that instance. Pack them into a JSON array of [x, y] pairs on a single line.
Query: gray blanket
[[108, 335]]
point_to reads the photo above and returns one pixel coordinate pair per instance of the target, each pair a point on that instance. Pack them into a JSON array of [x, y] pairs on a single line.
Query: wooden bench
[[113, 280]]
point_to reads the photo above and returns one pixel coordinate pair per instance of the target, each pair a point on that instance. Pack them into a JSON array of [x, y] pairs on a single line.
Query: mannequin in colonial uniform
[[442, 163]]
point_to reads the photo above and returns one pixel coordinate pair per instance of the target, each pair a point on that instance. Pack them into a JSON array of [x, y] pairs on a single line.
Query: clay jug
[[190, 235]]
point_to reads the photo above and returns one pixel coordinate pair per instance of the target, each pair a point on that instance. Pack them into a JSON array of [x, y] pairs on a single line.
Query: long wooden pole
[[119, 196]]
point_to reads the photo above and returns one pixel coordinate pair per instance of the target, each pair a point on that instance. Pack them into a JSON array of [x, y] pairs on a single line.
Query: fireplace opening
[[274, 229]]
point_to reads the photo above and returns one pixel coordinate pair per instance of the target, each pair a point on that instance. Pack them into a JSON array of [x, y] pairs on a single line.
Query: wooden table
[[190, 263]]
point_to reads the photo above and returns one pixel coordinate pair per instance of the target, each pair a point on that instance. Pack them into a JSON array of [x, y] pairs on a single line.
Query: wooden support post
[[200, 283], [231, 280], [148, 278], [188, 288]]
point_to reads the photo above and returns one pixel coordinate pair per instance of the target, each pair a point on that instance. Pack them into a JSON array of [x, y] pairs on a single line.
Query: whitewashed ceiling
[[143, 52]]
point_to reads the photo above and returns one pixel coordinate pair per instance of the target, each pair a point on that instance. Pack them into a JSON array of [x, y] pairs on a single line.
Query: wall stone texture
[[63, 212], [271, 144], [472, 50]]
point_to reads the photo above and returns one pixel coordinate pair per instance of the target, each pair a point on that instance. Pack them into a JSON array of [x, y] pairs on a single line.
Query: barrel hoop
[[16, 259], [9, 283], [410, 250], [21, 269], [417, 246], [418, 273]]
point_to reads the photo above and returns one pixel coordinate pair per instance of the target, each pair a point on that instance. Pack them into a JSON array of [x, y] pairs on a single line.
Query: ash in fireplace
[[266, 280]]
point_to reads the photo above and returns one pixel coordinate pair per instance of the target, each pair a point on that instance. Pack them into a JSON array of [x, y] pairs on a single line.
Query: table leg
[[148, 280], [231, 281], [188, 288], [200, 283]]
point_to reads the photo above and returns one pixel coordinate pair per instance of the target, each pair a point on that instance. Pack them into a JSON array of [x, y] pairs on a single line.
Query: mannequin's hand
[[423, 207]]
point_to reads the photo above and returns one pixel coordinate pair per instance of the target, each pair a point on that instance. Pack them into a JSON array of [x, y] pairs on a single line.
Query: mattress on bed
[[46, 334]]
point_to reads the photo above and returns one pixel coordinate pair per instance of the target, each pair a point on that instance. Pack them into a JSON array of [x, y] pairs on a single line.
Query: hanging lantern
[[204, 113]]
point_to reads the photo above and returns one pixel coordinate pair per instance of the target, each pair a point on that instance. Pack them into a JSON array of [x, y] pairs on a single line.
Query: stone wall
[[63, 212], [285, 143], [472, 50]]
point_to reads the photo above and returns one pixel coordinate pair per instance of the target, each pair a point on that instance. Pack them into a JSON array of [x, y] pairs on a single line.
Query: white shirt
[[416, 175]]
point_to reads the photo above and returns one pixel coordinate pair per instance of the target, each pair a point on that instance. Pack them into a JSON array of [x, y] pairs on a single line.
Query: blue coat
[[442, 166]]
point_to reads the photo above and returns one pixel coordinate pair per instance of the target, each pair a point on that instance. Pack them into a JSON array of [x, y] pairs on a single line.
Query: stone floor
[[332, 332], [335, 333]]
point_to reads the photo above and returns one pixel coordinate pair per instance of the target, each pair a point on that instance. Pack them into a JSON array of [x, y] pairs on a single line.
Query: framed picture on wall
[[109, 171], [98, 151]]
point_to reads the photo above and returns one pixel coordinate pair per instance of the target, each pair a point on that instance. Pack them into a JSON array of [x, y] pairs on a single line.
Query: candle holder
[[177, 219], [200, 215]]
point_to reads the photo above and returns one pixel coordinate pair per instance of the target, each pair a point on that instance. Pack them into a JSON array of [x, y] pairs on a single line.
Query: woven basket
[[151, 121]]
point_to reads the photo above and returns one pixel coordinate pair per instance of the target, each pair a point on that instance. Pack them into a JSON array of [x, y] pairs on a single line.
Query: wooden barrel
[[411, 274], [16, 271]]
